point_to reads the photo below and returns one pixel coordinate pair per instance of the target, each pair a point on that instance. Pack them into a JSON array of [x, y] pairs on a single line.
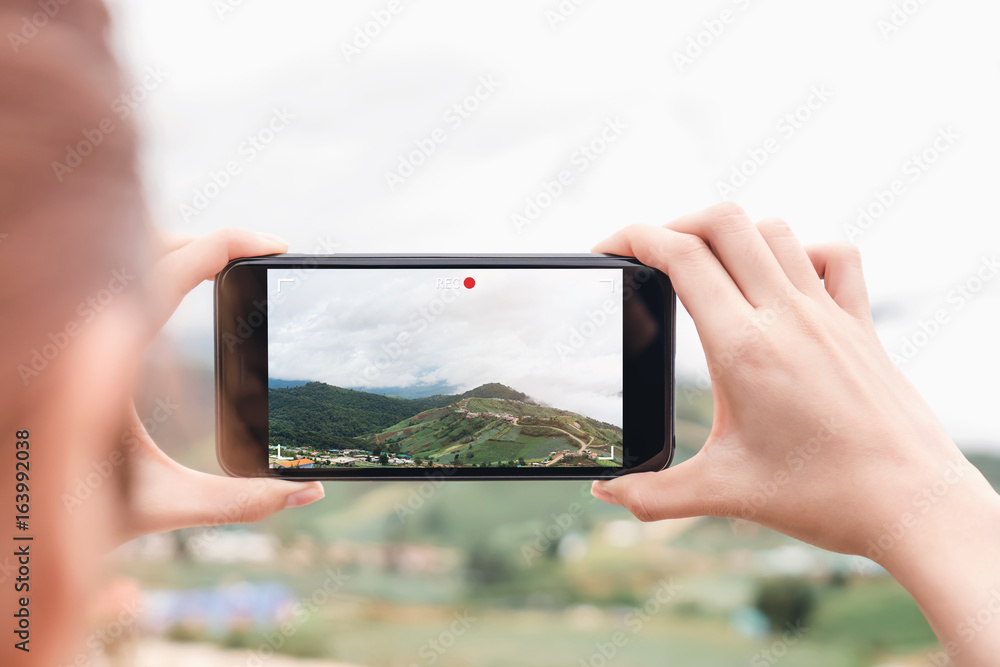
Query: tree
[[786, 601], [521, 462], [383, 459]]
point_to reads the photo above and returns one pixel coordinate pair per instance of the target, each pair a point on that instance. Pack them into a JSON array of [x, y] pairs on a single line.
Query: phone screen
[[371, 368]]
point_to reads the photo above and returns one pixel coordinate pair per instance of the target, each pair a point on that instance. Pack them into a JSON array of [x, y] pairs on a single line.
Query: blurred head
[[73, 246]]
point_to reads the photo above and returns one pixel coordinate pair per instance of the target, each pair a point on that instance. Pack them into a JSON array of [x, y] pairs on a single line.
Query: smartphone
[[383, 367]]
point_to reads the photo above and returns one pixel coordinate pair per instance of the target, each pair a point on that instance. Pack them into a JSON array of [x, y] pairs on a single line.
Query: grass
[[579, 636], [511, 434], [872, 614], [429, 417], [492, 451], [539, 448], [441, 436]]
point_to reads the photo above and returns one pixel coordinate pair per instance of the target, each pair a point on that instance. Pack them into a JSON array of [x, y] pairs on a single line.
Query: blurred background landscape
[[383, 574], [376, 574]]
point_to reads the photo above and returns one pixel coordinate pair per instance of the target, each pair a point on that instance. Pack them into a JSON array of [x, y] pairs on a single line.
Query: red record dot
[[470, 283]]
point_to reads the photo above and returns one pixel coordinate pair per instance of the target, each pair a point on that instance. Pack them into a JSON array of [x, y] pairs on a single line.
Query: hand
[[811, 415], [166, 495], [816, 432]]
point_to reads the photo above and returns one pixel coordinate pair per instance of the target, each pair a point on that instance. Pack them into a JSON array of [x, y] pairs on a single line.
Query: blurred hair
[[65, 230], [69, 223]]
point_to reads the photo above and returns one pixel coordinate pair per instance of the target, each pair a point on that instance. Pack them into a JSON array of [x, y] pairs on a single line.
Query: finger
[[839, 265], [171, 241], [182, 270], [791, 256], [701, 283], [168, 496], [741, 249], [214, 500], [673, 493]]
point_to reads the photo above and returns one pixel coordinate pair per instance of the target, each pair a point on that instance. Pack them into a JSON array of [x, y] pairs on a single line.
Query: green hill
[[486, 431], [324, 416], [495, 390], [489, 425]]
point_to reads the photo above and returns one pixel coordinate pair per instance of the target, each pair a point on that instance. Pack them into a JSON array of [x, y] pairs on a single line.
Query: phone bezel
[[238, 410]]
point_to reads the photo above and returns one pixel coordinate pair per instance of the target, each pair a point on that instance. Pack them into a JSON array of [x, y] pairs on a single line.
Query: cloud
[[372, 328]]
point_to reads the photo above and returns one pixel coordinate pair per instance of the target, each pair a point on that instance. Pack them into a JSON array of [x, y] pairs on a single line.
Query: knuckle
[[227, 235], [809, 326], [807, 320], [845, 252], [650, 244], [775, 227], [728, 217], [690, 248], [727, 209]]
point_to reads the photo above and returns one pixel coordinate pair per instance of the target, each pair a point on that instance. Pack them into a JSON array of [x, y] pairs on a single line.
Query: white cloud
[[373, 328]]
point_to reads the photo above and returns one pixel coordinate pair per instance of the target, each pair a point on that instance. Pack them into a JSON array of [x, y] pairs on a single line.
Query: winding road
[[583, 447]]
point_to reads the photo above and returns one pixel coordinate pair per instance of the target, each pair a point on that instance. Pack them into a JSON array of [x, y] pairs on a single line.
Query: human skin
[[96, 478], [816, 432]]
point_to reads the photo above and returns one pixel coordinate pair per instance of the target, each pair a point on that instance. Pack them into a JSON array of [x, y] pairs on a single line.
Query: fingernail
[[308, 495], [272, 238], [598, 491]]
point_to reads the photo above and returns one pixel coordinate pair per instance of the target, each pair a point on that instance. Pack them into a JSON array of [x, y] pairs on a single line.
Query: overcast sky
[[374, 328], [322, 180]]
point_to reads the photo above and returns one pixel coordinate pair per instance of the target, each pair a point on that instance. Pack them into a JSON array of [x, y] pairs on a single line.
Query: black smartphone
[[467, 367]]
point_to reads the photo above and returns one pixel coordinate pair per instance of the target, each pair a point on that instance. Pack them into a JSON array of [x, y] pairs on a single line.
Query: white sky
[[395, 328], [322, 180]]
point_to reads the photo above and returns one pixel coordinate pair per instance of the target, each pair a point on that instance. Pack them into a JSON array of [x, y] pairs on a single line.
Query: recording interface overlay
[[445, 367]]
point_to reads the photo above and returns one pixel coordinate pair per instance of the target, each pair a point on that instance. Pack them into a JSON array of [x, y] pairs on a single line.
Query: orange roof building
[[298, 463]]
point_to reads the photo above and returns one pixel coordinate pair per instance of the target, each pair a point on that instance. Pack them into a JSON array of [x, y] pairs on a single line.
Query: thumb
[[219, 500], [192, 261], [169, 496], [651, 496]]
